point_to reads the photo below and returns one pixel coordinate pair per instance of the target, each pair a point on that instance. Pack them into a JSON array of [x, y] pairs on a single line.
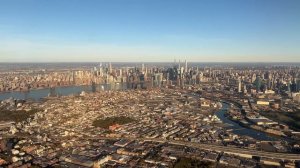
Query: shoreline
[[29, 90], [260, 130], [61, 90]]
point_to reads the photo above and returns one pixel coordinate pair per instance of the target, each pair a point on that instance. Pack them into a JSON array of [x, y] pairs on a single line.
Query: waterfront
[[243, 131], [70, 90], [38, 94]]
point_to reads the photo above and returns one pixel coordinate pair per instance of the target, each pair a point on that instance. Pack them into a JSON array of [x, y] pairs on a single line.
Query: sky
[[149, 30]]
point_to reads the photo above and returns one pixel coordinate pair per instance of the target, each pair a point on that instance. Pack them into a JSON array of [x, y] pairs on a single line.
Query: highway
[[239, 151], [218, 148], [212, 147]]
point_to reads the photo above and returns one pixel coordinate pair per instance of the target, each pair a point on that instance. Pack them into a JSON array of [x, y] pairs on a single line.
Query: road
[[212, 147], [218, 148]]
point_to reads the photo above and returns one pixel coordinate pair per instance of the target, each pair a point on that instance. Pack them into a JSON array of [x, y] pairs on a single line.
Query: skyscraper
[[298, 84], [257, 83], [100, 70], [143, 67], [110, 68], [239, 86], [186, 67]]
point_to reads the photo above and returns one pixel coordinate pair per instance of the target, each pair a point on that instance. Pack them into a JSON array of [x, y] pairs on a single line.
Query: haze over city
[[149, 31], [149, 83]]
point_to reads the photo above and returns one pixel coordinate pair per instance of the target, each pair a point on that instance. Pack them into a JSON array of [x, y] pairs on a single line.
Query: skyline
[[149, 31]]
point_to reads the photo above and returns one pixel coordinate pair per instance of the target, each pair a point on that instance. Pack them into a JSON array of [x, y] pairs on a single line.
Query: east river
[[69, 90], [61, 91]]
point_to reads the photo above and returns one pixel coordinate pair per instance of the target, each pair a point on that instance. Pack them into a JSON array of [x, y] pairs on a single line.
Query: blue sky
[[149, 30]]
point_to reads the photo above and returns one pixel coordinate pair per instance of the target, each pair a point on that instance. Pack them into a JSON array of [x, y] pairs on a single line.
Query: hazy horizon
[[171, 62]]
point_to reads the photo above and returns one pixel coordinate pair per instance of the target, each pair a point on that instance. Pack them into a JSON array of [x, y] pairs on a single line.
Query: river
[[62, 91], [69, 90], [240, 130]]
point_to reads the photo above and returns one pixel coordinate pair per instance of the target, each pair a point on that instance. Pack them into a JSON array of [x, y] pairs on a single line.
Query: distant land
[[67, 65]]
